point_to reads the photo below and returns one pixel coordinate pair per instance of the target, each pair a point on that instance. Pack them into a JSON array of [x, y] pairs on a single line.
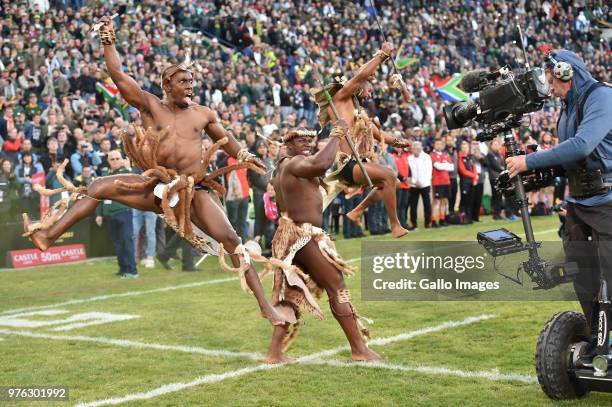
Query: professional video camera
[[569, 361], [503, 98]]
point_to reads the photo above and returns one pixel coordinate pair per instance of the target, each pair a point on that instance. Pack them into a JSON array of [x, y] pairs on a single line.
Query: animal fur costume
[[142, 150], [295, 290], [360, 133]]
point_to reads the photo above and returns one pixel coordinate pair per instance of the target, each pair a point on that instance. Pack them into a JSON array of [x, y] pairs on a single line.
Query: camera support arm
[[521, 198]]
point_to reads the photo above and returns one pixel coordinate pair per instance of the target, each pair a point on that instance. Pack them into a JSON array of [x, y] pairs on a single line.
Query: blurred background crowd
[[256, 63]]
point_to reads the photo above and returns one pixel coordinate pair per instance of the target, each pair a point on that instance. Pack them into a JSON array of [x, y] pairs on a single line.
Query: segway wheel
[[553, 353]]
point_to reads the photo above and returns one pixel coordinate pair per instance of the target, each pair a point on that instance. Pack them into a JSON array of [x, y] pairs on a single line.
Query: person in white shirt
[[421, 172]]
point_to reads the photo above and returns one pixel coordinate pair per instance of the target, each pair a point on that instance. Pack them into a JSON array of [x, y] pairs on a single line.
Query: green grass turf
[[220, 316]]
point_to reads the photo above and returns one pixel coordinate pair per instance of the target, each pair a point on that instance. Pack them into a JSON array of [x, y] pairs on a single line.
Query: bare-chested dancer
[[300, 241], [180, 150], [347, 98]]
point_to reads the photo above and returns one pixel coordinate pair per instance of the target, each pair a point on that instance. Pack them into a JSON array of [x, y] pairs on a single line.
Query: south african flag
[[448, 89], [109, 92]]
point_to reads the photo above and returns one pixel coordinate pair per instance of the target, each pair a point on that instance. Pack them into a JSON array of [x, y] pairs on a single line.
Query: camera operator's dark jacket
[[592, 140]]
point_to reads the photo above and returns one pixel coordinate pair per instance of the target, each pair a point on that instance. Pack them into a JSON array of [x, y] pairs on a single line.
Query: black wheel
[[553, 352]]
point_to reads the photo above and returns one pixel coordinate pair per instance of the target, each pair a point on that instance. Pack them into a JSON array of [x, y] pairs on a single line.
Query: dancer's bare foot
[[366, 355], [355, 217], [39, 241], [398, 231], [275, 359]]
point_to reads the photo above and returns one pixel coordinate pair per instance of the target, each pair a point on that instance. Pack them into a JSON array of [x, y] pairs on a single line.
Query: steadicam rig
[[500, 242]]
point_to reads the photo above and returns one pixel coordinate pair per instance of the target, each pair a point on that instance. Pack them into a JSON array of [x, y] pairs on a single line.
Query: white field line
[[135, 344], [174, 387], [215, 378], [119, 295], [494, 375]]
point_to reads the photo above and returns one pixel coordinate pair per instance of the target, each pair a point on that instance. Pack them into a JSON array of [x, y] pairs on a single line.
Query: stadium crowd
[[257, 62]]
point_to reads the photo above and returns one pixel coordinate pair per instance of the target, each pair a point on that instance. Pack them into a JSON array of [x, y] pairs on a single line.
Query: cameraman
[[585, 152]]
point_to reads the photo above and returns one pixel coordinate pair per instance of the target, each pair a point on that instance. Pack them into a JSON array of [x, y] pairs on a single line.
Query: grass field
[[178, 339]]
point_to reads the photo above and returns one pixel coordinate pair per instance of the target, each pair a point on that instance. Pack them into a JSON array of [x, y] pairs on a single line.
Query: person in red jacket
[[468, 179], [400, 155], [12, 145], [237, 199], [442, 167]]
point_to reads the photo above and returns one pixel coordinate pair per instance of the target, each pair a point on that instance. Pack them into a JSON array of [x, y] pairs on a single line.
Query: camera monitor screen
[[498, 235]]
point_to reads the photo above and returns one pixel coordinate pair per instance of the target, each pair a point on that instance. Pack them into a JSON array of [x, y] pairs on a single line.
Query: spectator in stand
[[400, 155], [468, 179], [271, 215], [148, 220], [351, 198], [420, 177], [65, 147], [24, 171], [495, 166], [450, 149], [546, 195], [442, 167], [187, 254], [259, 185], [85, 155], [9, 193], [32, 107], [237, 199], [7, 121], [50, 154], [86, 83], [20, 122], [26, 147], [480, 165], [376, 214], [36, 132], [52, 182], [12, 145], [98, 135], [105, 147], [332, 209], [86, 177], [286, 100], [118, 218]]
